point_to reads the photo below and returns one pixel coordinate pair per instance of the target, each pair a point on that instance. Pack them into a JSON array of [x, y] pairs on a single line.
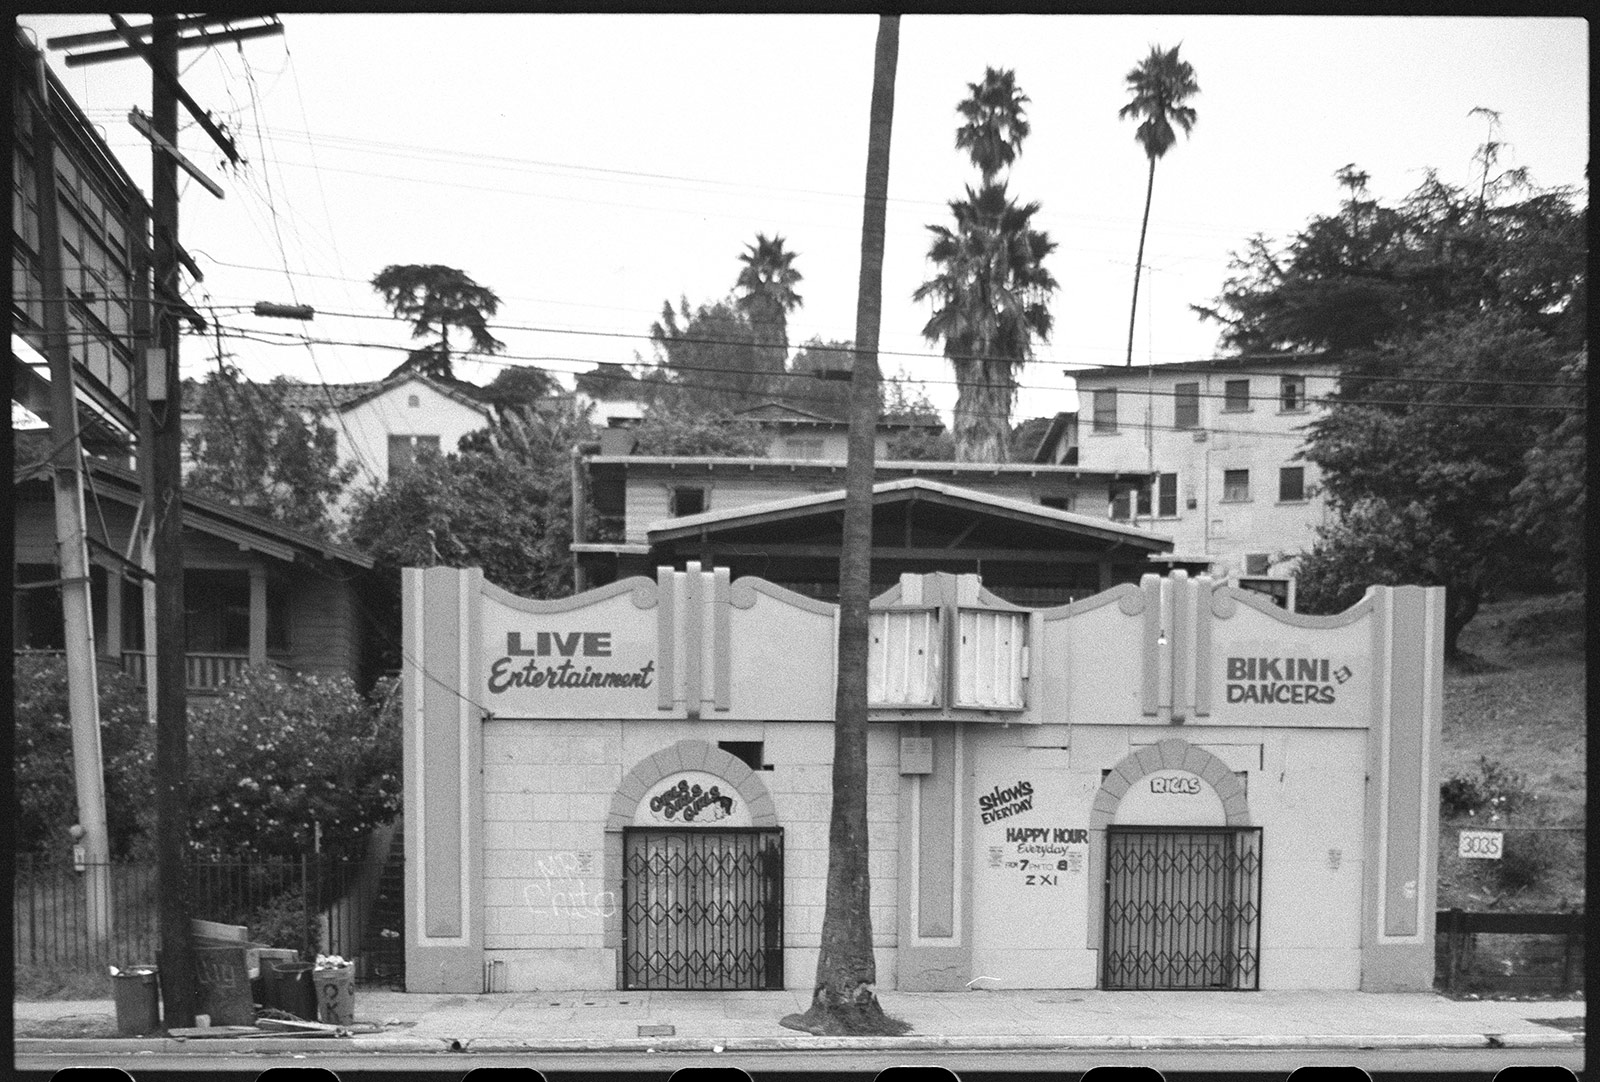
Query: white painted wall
[[409, 408], [1261, 440]]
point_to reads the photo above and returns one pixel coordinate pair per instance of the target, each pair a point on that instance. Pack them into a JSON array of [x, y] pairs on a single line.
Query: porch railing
[[204, 674]]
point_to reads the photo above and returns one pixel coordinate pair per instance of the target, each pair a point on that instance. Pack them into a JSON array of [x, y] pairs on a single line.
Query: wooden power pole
[[164, 498]]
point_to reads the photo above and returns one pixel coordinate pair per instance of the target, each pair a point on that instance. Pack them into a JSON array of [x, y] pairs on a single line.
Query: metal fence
[[313, 906]]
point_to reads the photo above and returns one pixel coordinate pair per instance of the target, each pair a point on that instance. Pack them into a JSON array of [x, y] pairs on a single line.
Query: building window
[[1056, 503], [1167, 495], [405, 450], [688, 500], [1235, 486], [1257, 563], [1292, 394], [1105, 410], [1292, 484], [802, 448], [1122, 502], [1236, 395], [1186, 405], [413, 401]]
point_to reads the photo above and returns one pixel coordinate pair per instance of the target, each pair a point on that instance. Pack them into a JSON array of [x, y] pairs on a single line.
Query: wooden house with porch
[[255, 592]]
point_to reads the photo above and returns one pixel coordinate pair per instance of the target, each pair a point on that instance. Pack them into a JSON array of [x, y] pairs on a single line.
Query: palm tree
[[991, 287], [768, 279], [995, 124], [844, 996], [991, 294], [1160, 85], [433, 299]]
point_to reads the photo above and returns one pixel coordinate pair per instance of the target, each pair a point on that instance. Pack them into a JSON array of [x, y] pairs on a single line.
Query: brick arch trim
[[1170, 754], [691, 755]]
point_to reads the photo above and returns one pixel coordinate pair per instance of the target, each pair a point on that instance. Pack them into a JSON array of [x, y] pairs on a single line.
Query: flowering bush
[[1496, 790], [278, 758], [44, 796]]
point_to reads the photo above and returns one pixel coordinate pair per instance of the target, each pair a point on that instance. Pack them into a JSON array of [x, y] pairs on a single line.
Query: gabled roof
[[909, 488], [233, 524], [1053, 434], [785, 413], [454, 389]]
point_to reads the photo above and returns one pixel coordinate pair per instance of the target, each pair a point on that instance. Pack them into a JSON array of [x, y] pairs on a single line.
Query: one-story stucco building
[[1174, 784]]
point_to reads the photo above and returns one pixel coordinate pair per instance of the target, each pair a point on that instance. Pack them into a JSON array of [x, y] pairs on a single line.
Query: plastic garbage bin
[[336, 995], [289, 988], [224, 980], [138, 1000]]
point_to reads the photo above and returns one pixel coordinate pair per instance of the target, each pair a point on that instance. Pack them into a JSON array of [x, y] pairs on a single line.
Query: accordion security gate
[[702, 909], [1183, 908]]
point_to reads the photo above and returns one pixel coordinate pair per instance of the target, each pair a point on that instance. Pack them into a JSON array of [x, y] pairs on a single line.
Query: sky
[[588, 168]]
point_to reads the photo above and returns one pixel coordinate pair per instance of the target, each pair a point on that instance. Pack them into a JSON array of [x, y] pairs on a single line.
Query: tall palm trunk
[[983, 401], [1138, 265], [844, 998]]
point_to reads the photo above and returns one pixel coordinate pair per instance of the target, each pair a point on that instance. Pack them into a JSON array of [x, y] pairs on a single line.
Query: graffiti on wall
[[565, 889]]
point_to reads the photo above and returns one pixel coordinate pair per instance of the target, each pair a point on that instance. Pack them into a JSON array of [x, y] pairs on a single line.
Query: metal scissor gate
[[702, 908], [1183, 908]]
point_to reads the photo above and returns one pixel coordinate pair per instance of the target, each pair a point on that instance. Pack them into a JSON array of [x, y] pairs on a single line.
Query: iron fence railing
[[310, 905]]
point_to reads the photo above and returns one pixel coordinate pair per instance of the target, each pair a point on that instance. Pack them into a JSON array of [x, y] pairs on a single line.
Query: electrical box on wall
[[916, 755]]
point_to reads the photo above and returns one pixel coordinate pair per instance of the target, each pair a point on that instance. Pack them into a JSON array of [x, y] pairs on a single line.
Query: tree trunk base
[[857, 1014]]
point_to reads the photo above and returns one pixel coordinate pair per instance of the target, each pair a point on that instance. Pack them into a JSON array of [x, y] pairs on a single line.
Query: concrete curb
[[445, 1045]]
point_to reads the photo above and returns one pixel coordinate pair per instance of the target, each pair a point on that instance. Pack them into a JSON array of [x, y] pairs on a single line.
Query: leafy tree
[[1371, 272], [502, 503], [44, 799], [1549, 503], [710, 356], [252, 450], [1420, 456], [822, 394], [433, 299], [608, 380], [1159, 87], [670, 428], [904, 401], [519, 385], [766, 283]]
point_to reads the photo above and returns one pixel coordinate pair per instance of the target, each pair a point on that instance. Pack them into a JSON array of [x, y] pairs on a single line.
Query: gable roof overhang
[[908, 490], [398, 379], [232, 524]]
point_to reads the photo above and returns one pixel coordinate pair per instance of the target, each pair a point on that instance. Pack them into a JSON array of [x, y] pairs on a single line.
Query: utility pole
[[72, 551], [164, 498]]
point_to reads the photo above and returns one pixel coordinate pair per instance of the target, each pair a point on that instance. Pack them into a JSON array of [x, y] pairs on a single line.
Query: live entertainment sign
[[588, 662]]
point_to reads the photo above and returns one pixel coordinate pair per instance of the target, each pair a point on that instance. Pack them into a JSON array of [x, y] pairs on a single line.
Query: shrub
[[279, 760], [285, 921], [44, 795], [1495, 789]]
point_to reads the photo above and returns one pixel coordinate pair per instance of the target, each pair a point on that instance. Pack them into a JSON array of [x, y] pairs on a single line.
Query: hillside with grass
[[1514, 757]]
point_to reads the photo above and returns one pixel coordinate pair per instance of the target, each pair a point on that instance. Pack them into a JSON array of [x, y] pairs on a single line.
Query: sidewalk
[[748, 1021]]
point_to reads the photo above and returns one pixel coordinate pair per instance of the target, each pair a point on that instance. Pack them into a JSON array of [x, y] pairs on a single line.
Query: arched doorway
[[702, 874]]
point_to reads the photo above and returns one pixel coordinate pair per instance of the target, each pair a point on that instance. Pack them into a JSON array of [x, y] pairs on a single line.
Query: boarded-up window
[[903, 657], [991, 658]]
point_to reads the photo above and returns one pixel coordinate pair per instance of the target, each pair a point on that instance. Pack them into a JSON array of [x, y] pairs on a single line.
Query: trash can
[[289, 988], [336, 995], [224, 980], [138, 1000]]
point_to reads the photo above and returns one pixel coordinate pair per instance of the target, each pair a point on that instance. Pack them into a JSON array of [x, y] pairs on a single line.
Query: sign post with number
[[1481, 844]]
